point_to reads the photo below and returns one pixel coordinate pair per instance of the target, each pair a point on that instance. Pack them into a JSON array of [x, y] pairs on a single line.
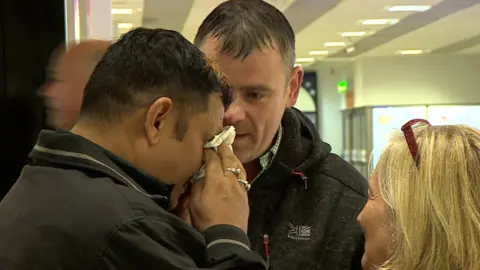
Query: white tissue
[[227, 136]]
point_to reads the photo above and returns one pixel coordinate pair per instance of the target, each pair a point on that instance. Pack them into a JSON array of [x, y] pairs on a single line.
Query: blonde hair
[[435, 208]]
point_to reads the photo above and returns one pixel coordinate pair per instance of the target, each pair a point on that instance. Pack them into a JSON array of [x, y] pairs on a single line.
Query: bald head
[[81, 57], [69, 72]]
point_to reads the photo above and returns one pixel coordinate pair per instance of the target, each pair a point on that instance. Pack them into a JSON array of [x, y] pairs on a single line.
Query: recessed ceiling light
[[350, 49], [353, 34], [125, 25], [318, 52], [305, 60], [379, 21], [411, 52], [122, 11], [334, 44], [418, 8]]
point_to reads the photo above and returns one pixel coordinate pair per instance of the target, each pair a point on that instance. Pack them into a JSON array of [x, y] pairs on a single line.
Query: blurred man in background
[[69, 72], [304, 199]]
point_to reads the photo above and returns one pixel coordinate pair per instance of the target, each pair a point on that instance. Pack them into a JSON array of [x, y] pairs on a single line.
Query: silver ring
[[235, 171], [245, 184]]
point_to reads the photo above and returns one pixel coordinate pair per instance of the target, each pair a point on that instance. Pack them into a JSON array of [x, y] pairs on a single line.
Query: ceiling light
[[353, 34], [379, 21], [350, 49], [125, 25], [410, 52], [318, 52], [122, 11], [334, 44], [305, 60], [418, 8]]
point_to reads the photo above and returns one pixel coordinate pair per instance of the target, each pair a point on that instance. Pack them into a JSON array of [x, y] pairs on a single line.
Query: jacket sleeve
[[156, 244]]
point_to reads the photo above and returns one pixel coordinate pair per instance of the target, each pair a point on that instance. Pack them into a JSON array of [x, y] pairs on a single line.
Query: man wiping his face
[[226, 137], [181, 196]]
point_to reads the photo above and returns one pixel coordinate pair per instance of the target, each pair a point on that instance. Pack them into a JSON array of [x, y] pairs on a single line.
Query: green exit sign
[[342, 87]]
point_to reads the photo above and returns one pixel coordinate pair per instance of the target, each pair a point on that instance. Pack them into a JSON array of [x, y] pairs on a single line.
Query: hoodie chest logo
[[299, 233]]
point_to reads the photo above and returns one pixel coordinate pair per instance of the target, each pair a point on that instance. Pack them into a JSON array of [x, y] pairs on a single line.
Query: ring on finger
[[244, 183], [235, 171]]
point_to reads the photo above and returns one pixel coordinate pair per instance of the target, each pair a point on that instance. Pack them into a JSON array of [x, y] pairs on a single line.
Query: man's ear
[[155, 119], [294, 84]]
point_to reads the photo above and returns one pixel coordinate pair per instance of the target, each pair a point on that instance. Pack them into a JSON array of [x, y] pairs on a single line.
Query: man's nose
[[234, 114], [44, 90]]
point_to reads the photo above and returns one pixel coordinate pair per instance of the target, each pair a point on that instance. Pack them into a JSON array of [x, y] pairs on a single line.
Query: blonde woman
[[423, 211]]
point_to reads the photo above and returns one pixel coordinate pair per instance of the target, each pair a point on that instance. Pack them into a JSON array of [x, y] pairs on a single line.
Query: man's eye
[[254, 96], [53, 79]]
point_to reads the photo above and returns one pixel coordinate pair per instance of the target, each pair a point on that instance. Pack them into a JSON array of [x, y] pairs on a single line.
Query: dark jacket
[[307, 203], [77, 206]]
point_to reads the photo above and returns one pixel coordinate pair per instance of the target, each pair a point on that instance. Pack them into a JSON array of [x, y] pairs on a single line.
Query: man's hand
[[220, 198]]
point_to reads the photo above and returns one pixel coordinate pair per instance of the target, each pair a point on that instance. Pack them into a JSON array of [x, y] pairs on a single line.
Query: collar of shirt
[[267, 158]]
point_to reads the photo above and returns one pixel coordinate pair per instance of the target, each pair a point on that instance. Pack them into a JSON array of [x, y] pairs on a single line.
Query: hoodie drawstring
[[267, 249], [303, 176], [266, 240]]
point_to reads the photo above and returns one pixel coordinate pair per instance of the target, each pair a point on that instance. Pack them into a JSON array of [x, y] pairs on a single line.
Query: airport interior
[[369, 66]]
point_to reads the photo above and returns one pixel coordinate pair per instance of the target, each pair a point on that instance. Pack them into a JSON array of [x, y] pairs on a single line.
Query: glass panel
[[386, 120], [453, 115]]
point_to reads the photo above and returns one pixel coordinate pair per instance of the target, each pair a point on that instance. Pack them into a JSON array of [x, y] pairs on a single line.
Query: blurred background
[[371, 65]]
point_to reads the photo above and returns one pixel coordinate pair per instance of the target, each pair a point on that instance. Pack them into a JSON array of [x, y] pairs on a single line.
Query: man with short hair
[[69, 71], [304, 200], [98, 197]]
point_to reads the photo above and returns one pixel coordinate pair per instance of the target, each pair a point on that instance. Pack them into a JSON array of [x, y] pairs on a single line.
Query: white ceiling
[[445, 28], [199, 11], [471, 50], [135, 18], [456, 27], [345, 18]]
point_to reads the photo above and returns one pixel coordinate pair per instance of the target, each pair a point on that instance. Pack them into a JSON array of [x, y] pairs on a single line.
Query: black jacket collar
[[301, 146], [65, 149]]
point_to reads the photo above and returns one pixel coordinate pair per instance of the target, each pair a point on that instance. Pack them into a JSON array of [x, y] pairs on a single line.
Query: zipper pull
[[267, 249]]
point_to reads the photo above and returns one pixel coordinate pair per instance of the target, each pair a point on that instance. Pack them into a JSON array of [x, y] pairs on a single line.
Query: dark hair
[[146, 64], [246, 25]]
